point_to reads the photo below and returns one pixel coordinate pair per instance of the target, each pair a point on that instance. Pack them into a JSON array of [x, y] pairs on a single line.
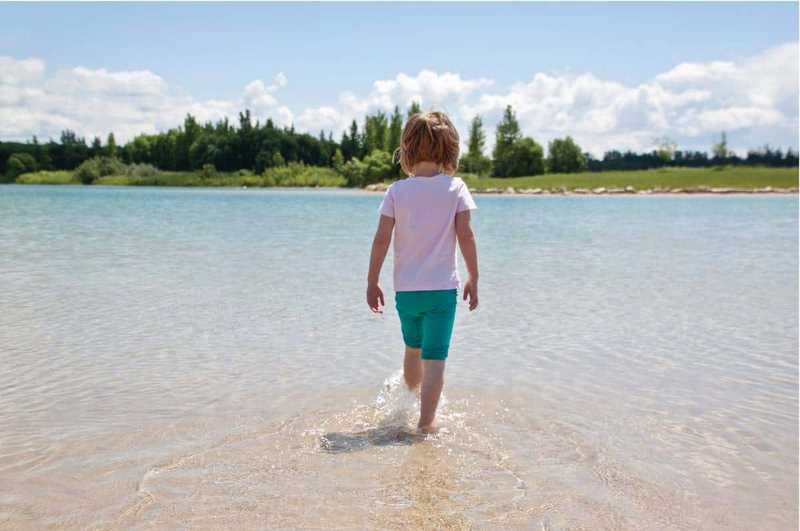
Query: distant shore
[[671, 181], [627, 190]]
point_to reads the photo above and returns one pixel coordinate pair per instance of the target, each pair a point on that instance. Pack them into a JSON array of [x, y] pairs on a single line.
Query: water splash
[[393, 420], [396, 404]]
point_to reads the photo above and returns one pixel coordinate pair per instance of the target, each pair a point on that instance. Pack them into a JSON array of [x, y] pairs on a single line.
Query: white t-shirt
[[424, 211]]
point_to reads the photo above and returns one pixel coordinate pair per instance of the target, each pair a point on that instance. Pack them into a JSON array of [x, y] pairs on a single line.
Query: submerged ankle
[[412, 385], [428, 428]]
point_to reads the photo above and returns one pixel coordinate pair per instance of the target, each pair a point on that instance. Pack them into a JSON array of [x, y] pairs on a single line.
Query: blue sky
[[207, 54]]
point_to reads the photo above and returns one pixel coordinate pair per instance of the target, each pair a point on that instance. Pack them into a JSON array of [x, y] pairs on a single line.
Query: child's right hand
[[374, 296], [471, 291]]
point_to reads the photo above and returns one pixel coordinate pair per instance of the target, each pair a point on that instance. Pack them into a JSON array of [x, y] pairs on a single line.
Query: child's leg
[[432, 384], [407, 304], [412, 368], [437, 328]]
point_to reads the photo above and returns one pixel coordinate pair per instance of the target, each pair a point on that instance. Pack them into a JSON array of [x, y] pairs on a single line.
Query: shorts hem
[[434, 356]]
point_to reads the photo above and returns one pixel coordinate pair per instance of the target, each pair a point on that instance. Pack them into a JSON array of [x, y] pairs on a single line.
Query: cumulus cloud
[[689, 102], [445, 91], [755, 96], [94, 102], [15, 72]]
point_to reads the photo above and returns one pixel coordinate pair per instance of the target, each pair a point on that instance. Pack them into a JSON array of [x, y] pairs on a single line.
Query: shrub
[[299, 174], [208, 171], [19, 163], [92, 169], [375, 167], [142, 171], [476, 163], [252, 181]]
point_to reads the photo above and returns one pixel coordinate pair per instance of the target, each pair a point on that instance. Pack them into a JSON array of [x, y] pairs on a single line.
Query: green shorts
[[426, 319]]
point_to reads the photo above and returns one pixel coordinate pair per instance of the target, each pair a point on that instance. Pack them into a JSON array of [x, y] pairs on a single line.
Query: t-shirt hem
[[426, 287]]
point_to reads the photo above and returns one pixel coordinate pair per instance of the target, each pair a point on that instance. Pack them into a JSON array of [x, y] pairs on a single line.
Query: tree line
[[362, 155]]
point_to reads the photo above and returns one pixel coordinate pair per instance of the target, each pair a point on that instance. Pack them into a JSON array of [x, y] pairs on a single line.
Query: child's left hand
[[374, 296]]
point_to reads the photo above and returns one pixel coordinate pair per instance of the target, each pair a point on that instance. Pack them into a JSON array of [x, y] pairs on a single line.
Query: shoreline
[[509, 191], [625, 191]]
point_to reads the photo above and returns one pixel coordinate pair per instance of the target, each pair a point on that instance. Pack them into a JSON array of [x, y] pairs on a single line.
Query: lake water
[[174, 358]]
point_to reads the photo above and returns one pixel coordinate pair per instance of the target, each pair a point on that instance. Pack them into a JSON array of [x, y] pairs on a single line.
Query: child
[[428, 211]]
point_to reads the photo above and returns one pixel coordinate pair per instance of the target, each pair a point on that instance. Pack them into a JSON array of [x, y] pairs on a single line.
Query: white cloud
[[754, 96], [96, 102], [690, 102], [444, 91], [15, 72]]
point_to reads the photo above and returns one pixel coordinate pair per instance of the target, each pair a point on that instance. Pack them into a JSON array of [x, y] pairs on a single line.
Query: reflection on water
[[204, 359]]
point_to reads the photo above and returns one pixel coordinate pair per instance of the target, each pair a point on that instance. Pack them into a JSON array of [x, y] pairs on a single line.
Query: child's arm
[[380, 246], [466, 241]]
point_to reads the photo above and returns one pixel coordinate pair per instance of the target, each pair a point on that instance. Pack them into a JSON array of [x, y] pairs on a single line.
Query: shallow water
[[177, 358]]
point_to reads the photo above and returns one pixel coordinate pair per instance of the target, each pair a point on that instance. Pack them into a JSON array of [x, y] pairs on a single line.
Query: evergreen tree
[[376, 129], [720, 149], [351, 144], [111, 146], [508, 132], [414, 109], [96, 149], [507, 136], [395, 130], [338, 160], [475, 161]]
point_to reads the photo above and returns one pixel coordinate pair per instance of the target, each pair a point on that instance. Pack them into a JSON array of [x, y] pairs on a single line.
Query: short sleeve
[[387, 205], [465, 201]]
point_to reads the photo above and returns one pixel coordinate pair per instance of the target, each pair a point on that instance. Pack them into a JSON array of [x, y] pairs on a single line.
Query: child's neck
[[426, 169]]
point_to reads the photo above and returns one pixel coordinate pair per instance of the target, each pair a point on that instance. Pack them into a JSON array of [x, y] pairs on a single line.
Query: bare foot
[[430, 428]]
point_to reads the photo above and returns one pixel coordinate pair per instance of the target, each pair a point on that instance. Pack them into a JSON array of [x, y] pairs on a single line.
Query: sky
[[611, 75]]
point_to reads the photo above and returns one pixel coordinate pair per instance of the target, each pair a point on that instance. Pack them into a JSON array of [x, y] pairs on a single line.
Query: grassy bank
[[288, 176], [297, 175], [47, 177], [685, 178]]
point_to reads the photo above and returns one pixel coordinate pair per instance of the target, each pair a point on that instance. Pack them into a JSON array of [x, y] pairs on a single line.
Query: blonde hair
[[431, 137]]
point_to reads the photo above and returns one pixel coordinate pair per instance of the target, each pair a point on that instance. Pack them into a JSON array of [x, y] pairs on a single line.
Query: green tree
[[526, 158], [20, 163], [186, 138], [96, 149], [111, 146], [338, 160], [475, 161], [565, 156], [414, 109], [515, 155], [720, 149], [278, 160], [139, 149], [375, 128], [507, 134], [665, 148], [395, 130], [508, 130]]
